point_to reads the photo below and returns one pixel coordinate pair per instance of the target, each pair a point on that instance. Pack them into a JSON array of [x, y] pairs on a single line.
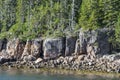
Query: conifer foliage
[[35, 18]]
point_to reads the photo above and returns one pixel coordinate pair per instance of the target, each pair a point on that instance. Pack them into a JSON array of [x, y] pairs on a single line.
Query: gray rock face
[[3, 43], [103, 40], [70, 45], [36, 48], [53, 48], [94, 41], [90, 42]]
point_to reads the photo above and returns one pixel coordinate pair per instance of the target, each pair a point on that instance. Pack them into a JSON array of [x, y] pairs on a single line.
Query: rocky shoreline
[[74, 63], [87, 51]]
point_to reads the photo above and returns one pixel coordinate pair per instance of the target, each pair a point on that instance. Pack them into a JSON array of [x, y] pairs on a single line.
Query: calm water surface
[[14, 74]]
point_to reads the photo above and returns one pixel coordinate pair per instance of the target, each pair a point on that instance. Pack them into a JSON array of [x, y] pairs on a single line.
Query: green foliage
[[117, 30], [4, 35], [89, 14], [27, 19], [99, 13], [111, 12], [115, 40]]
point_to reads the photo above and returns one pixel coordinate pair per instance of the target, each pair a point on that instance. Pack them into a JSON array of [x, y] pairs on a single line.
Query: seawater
[[30, 74]]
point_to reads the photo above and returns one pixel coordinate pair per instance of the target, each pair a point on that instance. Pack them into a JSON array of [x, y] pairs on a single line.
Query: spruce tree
[[89, 14], [117, 29]]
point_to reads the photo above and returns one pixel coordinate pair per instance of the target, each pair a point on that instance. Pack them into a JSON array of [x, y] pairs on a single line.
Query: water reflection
[[37, 74]]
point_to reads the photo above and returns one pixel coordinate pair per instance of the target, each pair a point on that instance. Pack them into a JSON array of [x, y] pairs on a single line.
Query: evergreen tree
[[35, 18], [111, 10], [117, 30], [89, 12]]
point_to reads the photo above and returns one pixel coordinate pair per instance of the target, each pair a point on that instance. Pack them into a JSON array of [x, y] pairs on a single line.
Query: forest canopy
[[27, 19]]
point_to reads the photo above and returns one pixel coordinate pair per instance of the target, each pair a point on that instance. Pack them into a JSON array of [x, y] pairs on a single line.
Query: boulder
[[71, 58], [81, 57], [60, 59], [112, 57], [70, 45], [53, 48], [2, 59], [29, 58], [38, 60]]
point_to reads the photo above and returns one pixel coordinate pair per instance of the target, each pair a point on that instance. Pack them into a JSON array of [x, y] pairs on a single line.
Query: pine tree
[[117, 30], [89, 14], [111, 10]]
